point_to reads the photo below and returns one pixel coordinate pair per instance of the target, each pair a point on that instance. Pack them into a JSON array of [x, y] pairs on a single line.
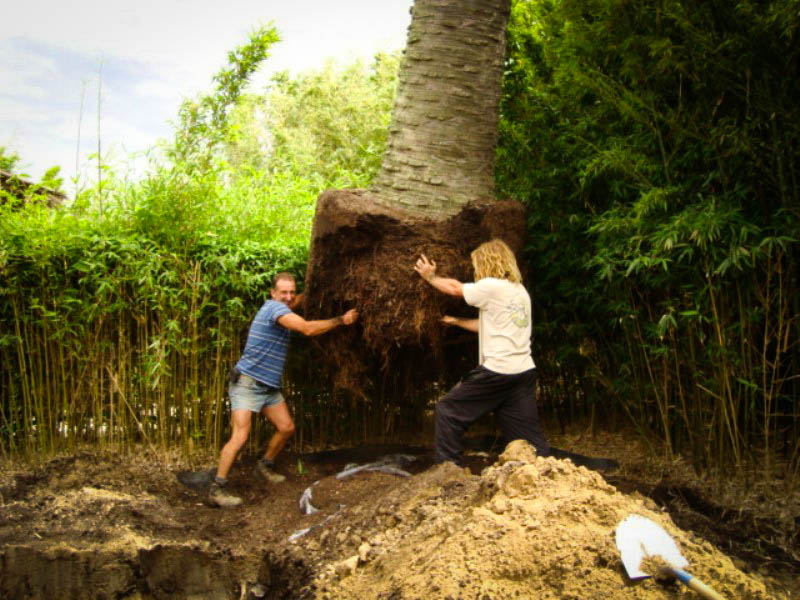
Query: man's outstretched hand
[[350, 317], [447, 285], [425, 268]]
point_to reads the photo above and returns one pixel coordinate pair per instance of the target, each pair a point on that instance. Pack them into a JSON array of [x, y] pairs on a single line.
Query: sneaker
[[269, 474], [217, 496]]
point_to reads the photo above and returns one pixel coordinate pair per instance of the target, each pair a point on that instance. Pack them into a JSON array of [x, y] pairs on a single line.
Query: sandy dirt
[[96, 525]]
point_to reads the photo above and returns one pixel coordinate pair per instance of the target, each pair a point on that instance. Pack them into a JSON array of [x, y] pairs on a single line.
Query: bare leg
[[240, 419], [278, 415]]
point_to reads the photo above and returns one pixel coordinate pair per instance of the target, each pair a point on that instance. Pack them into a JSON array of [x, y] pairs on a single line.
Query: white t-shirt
[[504, 332]]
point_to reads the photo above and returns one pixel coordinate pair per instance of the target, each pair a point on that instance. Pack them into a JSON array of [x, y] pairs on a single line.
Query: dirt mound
[[107, 525], [526, 527]]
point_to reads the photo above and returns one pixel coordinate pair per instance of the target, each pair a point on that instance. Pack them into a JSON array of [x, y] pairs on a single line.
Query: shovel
[[639, 538]]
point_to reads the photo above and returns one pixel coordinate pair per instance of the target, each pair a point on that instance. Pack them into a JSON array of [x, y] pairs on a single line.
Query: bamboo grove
[[654, 145]]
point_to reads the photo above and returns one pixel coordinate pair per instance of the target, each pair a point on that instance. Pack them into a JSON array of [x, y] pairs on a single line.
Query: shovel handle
[[694, 583]]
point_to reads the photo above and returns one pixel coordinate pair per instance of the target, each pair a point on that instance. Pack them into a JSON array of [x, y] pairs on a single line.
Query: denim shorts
[[247, 393]]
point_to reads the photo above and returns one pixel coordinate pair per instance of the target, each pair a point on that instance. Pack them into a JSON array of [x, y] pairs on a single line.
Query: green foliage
[[15, 189], [8, 161], [51, 179], [125, 310], [333, 122], [203, 123], [658, 141], [113, 311]]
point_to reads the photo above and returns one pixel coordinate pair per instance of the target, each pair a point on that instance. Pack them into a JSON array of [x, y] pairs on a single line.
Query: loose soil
[[102, 525]]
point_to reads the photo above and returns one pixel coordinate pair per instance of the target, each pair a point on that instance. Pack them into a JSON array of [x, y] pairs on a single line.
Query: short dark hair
[[281, 275]]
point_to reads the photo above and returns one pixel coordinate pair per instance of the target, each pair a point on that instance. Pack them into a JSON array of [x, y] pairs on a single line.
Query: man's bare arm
[[317, 327], [468, 324], [427, 270]]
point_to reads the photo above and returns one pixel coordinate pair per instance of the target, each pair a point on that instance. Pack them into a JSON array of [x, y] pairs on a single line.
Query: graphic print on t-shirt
[[519, 313]]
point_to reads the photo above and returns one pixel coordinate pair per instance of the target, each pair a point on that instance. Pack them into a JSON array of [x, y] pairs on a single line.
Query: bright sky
[[153, 53]]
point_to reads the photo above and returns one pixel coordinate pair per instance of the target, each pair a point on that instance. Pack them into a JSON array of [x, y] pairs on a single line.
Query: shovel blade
[[638, 538]]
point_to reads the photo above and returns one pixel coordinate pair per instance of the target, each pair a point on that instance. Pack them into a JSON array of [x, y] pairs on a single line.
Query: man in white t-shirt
[[505, 380]]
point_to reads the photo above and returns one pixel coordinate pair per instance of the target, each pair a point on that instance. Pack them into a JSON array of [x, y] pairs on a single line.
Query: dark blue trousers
[[511, 397]]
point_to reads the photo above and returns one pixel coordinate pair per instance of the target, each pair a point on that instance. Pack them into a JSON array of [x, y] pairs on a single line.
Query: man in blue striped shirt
[[256, 381]]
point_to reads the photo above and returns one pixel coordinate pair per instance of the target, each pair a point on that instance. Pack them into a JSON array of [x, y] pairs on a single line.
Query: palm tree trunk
[[440, 151]]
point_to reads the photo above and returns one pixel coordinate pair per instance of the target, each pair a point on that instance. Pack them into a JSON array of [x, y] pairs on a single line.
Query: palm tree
[[434, 193], [440, 151]]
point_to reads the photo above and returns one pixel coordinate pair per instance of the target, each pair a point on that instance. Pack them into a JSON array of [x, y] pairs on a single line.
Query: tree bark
[[440, 150]]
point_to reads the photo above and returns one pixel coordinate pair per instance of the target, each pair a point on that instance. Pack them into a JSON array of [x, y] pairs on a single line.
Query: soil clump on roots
[[363, 255]]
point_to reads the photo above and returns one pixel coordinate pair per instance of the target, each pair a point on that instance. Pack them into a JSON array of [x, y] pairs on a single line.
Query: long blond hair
[[495, 259]]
